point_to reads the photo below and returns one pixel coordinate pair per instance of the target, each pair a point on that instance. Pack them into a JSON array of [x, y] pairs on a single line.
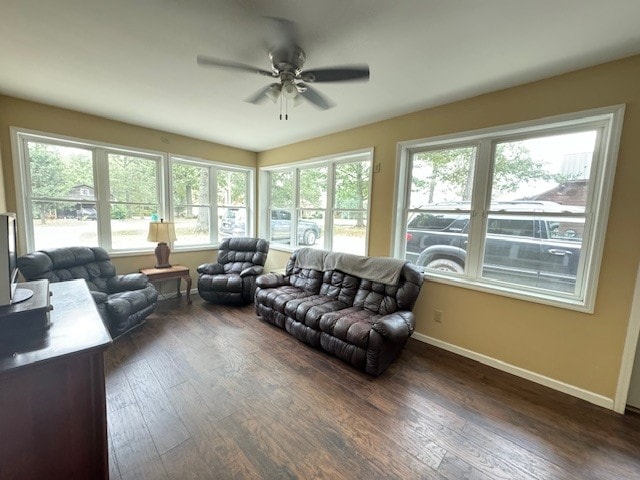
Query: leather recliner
[[123, 301], [232, 279]]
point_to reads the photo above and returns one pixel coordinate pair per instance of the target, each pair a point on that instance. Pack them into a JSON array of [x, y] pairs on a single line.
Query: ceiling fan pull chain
[[280, 107]]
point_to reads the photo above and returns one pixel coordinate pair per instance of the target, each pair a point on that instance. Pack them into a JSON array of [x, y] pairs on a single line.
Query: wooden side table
[[178, 272]]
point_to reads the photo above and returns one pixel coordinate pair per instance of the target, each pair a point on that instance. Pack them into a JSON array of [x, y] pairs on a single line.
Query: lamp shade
[[161, 232]]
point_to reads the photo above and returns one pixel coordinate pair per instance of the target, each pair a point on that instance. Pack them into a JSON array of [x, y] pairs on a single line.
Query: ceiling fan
[[287, 61]]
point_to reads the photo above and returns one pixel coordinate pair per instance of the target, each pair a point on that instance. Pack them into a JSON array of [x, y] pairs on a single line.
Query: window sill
[[569, 303]]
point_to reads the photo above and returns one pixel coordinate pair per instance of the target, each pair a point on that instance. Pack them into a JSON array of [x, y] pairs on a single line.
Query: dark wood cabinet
[[53, 422]]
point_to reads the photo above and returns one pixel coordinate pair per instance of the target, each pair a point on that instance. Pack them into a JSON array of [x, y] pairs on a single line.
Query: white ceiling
[[135, 60]]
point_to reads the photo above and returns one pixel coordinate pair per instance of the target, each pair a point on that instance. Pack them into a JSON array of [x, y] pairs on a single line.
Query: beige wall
[[34, 116], [579, 349]]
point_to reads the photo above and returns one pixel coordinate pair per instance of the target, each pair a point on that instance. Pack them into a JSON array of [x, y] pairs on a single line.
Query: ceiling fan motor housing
[[287, 61]]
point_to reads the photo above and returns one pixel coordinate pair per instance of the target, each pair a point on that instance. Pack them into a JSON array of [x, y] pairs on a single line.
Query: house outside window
[[519, 210], [323, 203], [72, 191]]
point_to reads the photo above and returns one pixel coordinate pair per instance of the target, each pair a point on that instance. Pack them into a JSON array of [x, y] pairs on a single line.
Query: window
[[134, 196], [73, 191], [200, 221], [519, 210], [322, 203]]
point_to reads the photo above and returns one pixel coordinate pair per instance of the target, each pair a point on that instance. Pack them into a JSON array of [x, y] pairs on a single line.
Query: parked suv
[[526, 250], [308, 232]]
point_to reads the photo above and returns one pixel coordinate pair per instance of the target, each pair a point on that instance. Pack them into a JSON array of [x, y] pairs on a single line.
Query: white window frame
[[329, 161], [19, 139], [214, 168], [609, 119]]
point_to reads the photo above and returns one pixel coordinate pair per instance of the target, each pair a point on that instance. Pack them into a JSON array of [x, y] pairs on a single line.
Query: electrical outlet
[[376, 167], [437, 316]]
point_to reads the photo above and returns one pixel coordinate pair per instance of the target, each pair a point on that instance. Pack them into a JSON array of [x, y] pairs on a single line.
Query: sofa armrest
[[128, 282], [397, 326], [99, 297], [255, 270], [271, 280], [210, 269]]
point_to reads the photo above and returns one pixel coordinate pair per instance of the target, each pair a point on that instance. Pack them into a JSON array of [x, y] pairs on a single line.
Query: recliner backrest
[[384, 299], [236, 254], [91, 264], [340, 285]]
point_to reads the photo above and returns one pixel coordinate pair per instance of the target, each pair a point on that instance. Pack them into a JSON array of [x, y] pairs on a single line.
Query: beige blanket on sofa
[[377, 269]]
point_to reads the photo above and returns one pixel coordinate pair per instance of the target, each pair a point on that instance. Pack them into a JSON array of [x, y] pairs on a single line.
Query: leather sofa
[[232, 279], [123, 301], [356, 308]]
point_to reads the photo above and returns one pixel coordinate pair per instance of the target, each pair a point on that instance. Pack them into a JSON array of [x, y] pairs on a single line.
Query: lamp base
[[162, 255]]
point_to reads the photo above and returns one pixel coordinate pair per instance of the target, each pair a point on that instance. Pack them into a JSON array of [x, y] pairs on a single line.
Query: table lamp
[[163, 233]]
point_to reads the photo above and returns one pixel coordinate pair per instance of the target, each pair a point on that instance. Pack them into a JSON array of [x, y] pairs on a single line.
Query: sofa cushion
[[308, 310], [351, 325], [277, 298], [221, 283]]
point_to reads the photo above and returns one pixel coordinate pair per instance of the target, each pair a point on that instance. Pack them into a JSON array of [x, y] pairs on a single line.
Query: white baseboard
[[572, 390]]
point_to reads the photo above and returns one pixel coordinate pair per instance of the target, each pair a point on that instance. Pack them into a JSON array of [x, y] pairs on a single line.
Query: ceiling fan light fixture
[[289, 90], [273, 93]]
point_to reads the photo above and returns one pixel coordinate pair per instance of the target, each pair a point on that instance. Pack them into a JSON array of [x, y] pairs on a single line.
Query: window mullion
[[164, 188], [296, 207], [102, 194], [479, 206], [213, 206], [329, 207]]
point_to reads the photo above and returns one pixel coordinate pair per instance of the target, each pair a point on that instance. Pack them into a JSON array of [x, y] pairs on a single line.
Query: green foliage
[[133, 179], [47, 171], [231, 187], [451, 171], [351, 189], [352, 185], [53, 175], [282, 189], [118, 212], [514, 166], [186, 180], [313, 187]]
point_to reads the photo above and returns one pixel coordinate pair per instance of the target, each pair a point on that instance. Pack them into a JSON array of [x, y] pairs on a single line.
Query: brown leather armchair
[[232, 279]]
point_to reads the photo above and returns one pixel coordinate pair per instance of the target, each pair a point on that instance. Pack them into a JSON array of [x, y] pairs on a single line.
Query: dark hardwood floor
[[212, 392]]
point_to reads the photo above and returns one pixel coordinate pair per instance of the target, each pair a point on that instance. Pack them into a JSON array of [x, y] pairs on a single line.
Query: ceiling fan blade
[[315, 97], [205, 61], [270, 91], [347, 73]]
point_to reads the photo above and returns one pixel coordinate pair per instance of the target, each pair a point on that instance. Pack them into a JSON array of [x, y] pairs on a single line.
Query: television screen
[[8, 258]]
